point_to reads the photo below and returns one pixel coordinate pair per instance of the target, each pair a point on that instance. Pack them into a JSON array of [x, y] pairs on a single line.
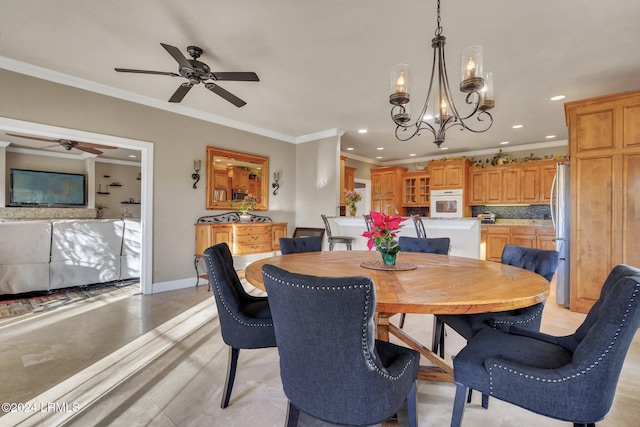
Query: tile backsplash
[[515, 212]]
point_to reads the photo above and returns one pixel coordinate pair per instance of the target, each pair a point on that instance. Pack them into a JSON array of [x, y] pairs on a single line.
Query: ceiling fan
[[198, 72], [69, 144]]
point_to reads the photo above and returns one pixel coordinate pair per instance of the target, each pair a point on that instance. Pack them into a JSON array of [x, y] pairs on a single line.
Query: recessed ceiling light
[[504, 142], [444, 148], [517, 126], [133, 156], [380, 148], [558, 97], [412, 155], [550, 136], [350, 148], [362, 131], [427, 117], [379, 157]]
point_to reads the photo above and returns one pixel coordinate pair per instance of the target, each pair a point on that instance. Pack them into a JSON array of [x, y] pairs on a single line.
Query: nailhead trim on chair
[[224, 303], [365, 347], [520, 322], [576, 375]]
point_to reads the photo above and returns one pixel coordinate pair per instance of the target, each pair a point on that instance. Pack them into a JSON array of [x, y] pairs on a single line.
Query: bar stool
[[347, 240]]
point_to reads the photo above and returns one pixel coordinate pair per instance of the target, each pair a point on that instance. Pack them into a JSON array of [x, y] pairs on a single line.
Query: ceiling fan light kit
[[197, 72], [439, 112]]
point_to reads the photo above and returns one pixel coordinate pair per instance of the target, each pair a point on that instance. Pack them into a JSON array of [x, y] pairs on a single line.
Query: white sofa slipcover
[[85, 251], [25, 248], [47, 255]]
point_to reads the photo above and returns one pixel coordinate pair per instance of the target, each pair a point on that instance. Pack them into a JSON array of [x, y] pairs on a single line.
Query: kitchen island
[[463, 232]]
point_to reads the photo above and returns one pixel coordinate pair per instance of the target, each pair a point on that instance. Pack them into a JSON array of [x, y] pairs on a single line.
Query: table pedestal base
[[439, 371]]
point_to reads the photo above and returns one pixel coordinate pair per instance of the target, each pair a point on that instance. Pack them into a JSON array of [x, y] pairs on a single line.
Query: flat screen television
[[42, 188]]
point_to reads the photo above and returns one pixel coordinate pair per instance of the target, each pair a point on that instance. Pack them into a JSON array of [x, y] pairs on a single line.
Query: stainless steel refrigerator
[[560, 215]]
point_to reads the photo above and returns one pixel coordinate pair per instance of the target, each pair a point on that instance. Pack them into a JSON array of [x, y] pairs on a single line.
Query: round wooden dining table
[[420, 283]]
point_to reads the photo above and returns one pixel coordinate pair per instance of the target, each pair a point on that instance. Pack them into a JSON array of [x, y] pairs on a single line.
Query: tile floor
[[159, 360]]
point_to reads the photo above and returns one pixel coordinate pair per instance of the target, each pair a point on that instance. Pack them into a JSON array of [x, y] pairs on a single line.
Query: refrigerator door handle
[[551, 201]]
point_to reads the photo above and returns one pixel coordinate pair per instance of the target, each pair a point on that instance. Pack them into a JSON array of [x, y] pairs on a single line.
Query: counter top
[[529, 222]]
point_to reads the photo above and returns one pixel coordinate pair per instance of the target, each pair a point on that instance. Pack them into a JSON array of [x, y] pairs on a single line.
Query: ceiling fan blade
[[31, 137], [179, 94], [240, 76], [162, 73], [225, 94], [92, 145], [177, 55], [88, 149]]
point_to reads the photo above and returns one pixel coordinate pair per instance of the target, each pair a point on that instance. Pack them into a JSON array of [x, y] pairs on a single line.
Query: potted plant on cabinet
[[100, 210], [247, 204]]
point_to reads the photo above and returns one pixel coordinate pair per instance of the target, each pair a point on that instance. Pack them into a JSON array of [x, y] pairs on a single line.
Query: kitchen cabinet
[[449, 174], [239, 179], [386, 188], [604, 147], [519, 183], [347, 179], [415, 190], [242, 238], [220, 179], [528, 236], [497, 238], [485, 186]]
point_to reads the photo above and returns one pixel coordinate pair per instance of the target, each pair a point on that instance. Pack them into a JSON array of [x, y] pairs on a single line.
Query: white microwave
[[446, 204]]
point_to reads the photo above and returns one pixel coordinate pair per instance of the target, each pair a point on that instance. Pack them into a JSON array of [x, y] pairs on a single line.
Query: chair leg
[[458, 405], [584, 425], [331, 246], [485, 401], [469, 395], [293, 414], [348, 246], [438, 337], [232, 363], [412, 406], [401, 323]]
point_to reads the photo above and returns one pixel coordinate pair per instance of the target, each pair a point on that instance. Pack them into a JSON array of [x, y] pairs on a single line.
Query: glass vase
[[352, 210], [389, 255]]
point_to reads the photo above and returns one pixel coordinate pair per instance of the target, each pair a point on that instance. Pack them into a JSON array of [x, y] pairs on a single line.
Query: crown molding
[[88, 85]]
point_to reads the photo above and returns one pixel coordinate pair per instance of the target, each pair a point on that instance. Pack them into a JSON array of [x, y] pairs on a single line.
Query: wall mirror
[[231, 175]]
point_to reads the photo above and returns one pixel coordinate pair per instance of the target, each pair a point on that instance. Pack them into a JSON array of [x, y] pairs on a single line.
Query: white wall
[[317, 181], [177, 139]]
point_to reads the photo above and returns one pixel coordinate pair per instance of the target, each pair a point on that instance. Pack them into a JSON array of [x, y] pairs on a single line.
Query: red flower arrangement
[[383, 230]]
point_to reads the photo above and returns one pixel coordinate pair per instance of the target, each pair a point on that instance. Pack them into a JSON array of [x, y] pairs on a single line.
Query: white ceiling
[[325, 64]]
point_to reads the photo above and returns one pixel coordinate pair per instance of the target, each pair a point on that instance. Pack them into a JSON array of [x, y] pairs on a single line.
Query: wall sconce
[[196, 175], [275, 185]]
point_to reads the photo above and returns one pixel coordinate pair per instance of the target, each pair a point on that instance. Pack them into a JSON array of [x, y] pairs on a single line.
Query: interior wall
[[122, 201], [177, 139], [318, 183]]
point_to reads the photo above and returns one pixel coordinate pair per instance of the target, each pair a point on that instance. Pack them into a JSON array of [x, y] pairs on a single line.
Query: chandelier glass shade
[[439, 112]]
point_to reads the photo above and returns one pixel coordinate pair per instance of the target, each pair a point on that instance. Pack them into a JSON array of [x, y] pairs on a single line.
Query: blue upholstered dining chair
[[332, 367], [540, 261], [434, 245], [293, 245], [570, 378], [245, 320]]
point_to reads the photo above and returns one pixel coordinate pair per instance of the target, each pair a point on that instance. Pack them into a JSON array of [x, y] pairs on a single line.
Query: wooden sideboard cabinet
[[242, 238]]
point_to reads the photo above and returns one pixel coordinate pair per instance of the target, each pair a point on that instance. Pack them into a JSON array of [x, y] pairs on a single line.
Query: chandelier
[[478, 86]]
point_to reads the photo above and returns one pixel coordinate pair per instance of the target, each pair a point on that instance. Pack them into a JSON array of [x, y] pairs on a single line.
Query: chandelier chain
[[439, 27]]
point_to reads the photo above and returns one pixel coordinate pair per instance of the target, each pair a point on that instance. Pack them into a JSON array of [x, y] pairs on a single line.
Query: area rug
[[43, 302]]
